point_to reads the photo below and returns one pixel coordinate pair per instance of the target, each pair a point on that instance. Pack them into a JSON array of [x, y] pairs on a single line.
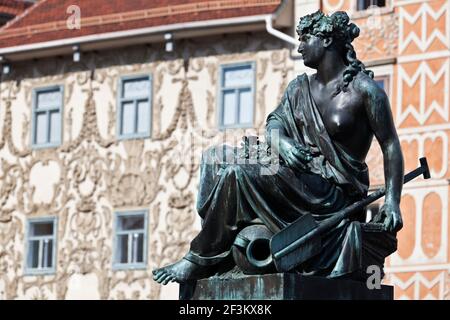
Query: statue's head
[[319, 32]]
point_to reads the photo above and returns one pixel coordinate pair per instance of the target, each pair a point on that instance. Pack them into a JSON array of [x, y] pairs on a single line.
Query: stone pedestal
[[282, 286]]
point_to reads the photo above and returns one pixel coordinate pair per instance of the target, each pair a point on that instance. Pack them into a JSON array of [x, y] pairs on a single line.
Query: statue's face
[[312, 49]]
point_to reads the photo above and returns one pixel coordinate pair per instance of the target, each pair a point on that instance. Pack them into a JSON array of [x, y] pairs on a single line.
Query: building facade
[[105, 108], [407, 42]]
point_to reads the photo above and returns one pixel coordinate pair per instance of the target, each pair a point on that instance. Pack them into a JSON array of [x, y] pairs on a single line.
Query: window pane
[[245, 106], [33, 254], [238, 76], [143, 116], [229, 108], [379, 3], [48, 99], [47, 253], [41, 229], [136, 88], [55, 126], [128, 118], [41, 128], [138, 247], [364, 4], [131, 223], [122, 249]]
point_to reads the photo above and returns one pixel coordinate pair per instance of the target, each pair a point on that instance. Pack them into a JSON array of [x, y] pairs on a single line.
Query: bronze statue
[[326, 123]]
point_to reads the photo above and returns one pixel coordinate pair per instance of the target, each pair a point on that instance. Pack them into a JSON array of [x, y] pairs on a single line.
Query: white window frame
[[121, 100], [40, 270], [131, 234], [223, 68], [48, 110]]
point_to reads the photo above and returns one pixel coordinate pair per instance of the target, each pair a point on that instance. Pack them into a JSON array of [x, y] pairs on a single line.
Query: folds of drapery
[[232, 194]]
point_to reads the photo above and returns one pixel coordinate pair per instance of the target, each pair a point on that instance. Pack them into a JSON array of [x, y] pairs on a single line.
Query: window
[[130, 240], [383, 83], [47, 120], [366, 4], [237, 95], [41, 246], [134, 111]]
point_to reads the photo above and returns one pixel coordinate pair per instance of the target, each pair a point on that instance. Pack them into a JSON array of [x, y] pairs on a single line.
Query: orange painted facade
[[412, 40]]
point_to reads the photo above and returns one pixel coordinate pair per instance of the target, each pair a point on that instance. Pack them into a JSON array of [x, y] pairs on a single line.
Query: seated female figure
[[325, 123]]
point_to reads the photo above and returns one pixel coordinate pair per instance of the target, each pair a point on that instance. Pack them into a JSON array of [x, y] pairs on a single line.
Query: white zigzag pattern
[[423, 42], [423, 72], [417, 279]]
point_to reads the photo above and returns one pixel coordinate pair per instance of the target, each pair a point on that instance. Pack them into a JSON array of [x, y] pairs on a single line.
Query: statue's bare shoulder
[[370, 90]]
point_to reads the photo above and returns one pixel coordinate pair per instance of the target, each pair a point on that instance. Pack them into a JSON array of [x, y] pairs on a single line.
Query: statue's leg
[[223, 211]]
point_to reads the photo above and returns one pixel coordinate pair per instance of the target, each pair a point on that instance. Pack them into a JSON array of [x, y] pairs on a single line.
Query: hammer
[[302, 239]]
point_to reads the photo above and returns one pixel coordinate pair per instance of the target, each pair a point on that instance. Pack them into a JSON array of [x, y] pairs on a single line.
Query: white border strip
[[424, 56], [430, 128], [418, 268]]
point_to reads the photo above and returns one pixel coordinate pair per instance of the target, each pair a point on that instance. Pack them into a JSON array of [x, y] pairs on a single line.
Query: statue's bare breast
[[345, 119]]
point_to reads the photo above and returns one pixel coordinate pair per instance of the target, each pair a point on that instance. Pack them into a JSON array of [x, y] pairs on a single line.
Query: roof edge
[[210, 26]]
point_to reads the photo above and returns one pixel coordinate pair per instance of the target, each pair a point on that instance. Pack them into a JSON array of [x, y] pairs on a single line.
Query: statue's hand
[[294, 154], [390, 216]]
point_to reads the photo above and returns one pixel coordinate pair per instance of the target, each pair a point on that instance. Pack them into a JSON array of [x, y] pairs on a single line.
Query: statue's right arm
[[275, 132], [279, 142]]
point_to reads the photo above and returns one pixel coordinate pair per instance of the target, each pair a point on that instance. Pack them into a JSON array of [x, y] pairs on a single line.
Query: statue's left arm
[[380, 118]]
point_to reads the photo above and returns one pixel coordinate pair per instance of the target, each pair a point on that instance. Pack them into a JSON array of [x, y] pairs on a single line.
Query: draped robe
[[233, 195]]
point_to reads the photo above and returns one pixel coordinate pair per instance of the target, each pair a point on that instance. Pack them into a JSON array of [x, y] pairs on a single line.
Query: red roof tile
[[46, 20]]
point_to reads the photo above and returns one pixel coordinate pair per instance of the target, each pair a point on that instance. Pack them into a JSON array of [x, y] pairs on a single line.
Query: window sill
[[238, 126], [134, 136], [45, 146], [39, 272], [126, 267]]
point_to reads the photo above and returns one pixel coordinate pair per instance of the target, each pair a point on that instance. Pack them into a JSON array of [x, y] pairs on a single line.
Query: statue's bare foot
[[181, 271]]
